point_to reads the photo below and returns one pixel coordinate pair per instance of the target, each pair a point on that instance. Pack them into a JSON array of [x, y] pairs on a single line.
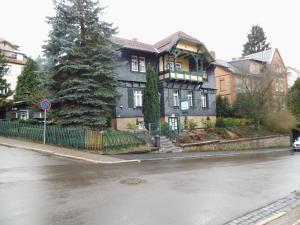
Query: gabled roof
[[11, 44], [168, 42], [227, 65], [133, 44], [263, 56], [164, 45]]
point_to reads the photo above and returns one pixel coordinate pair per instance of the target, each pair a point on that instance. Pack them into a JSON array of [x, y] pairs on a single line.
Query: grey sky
[[221, 24]]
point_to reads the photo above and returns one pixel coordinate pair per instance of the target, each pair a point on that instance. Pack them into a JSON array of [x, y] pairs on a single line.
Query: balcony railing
[[182, 75]]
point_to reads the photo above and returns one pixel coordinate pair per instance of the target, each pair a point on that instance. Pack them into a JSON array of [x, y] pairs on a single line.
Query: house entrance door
[[173, 124]]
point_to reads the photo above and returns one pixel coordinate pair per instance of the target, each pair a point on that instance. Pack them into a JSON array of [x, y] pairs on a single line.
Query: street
[[39, 189]]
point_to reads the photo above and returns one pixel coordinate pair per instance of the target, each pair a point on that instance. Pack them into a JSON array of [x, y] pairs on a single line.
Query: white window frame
[[137, 98], [204, 100], [176, 98], [26, 116], [190, 98], [142, 64], [134, 63]]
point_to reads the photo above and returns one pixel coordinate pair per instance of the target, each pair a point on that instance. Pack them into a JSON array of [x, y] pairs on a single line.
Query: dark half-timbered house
[[185, 72]]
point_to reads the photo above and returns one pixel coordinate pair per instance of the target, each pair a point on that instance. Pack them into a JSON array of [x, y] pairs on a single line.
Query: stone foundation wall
[[197, 119], [121, 123], [240, 144]]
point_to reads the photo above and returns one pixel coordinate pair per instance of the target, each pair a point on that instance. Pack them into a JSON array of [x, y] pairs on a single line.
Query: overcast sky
[[222, 25]]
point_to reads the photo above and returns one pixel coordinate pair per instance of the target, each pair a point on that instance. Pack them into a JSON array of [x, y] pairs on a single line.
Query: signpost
[[45, 105]]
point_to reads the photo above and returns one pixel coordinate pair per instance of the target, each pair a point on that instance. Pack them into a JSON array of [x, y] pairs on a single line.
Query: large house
[[184, 72], [15, 63], [230, 74]]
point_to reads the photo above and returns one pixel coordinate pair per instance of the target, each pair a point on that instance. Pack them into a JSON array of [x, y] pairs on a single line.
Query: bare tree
[[255, 94]]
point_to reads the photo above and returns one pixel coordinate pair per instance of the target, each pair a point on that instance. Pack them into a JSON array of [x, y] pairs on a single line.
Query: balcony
[[183, 76]]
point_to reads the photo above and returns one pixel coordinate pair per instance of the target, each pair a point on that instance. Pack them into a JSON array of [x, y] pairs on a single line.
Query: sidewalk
[[62, 152], [124, 158], [195, 155], [284, 211]]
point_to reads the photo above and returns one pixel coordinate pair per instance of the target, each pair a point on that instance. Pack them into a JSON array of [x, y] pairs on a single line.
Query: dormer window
[[134, 64]]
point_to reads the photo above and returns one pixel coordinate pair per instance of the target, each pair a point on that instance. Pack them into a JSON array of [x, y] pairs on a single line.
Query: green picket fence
[[122, 139], [72, 137]]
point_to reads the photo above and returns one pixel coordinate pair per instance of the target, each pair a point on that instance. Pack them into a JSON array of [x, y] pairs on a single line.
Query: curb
[[70, 156], [225, 154]]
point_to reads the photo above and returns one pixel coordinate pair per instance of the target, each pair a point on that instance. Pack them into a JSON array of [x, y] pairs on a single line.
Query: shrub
[[220, 122], [282, 122], [164, 128], [131, 126], [208, 123], [192, 124]]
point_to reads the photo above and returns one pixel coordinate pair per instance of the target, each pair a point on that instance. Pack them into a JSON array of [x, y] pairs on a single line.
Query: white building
[[15, 62], [292, 75]]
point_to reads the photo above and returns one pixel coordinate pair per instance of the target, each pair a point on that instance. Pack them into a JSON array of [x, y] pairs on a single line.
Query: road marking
[[272, 218]]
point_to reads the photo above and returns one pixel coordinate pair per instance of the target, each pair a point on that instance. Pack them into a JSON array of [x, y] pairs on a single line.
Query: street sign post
[[45, 105]]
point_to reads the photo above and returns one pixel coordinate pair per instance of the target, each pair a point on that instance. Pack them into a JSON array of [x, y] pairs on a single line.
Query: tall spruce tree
[[28, 81], [83, 76], [257, 41], [3, 83], [294, 98], [151, 106]]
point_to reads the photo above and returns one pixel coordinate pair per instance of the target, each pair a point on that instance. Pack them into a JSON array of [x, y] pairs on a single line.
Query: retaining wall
[[239, 144]]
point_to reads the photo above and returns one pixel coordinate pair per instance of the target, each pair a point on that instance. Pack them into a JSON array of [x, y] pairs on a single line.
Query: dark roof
[[133, 44], [168, 42], [164, 45]]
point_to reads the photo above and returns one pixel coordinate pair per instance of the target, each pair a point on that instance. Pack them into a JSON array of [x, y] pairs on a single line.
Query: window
[[205, 77], [142, 64], [134, 64], [170, 66], [4, 90], [204, 100], [254, 68], [24, 115], [176, 98], [178, 66], [137, 98], [222, 85], [8, 73], [278, 69], [190, 98]]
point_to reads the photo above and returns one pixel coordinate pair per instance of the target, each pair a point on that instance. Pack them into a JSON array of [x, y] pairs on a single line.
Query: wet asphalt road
[[37, 189]]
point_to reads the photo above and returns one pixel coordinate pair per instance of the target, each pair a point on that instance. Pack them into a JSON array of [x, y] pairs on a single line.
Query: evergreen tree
[[3, 71], [223, 107], [83, 77], [151, 106], [28, 82], [294, 98], [256, 41]]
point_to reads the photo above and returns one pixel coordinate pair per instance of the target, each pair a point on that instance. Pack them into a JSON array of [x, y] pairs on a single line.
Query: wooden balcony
[[196, 77]]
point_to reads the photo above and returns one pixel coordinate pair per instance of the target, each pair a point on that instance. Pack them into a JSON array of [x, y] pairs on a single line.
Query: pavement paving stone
[[281, 205]]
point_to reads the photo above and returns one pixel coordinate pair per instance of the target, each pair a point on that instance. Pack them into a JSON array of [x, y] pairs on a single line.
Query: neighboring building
[[292, 75], [184, 71], [15, 62], [230, 74]]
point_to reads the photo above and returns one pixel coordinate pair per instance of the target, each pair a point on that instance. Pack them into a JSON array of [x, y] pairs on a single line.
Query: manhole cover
[[133, 181]]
